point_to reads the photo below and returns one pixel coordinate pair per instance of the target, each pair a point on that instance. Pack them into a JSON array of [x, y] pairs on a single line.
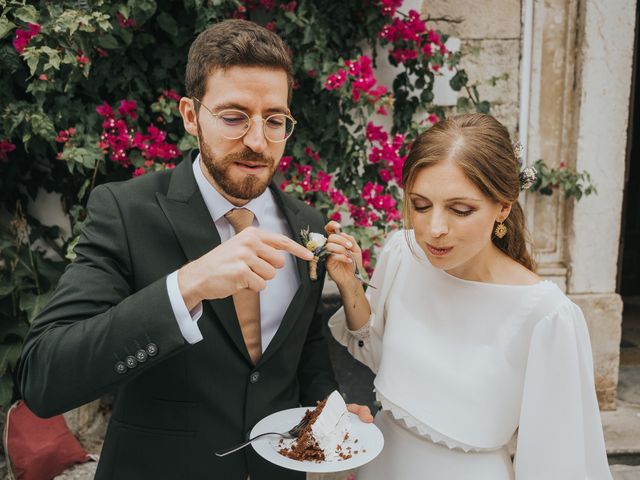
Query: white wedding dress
[[461, 365]]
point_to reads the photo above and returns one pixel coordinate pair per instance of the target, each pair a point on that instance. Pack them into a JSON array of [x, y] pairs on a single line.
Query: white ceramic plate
[[369, 445]]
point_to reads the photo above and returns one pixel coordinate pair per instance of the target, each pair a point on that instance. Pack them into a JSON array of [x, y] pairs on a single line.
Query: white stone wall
[[492, 29]]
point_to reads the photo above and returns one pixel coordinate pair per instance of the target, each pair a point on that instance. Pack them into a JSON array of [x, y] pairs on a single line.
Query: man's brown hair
[[234, 43]]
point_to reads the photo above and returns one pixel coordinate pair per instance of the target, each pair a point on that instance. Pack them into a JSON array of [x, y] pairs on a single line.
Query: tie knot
[[239, 218]]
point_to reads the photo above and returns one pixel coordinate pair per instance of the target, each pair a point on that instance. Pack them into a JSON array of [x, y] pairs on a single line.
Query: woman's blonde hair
[[481, 146]]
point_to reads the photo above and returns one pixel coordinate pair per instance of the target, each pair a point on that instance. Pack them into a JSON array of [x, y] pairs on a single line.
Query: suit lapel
[[296, 222], [193, 226]]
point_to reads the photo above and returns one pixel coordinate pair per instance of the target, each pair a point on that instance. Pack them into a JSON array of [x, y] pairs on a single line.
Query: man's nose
[[254, 138]]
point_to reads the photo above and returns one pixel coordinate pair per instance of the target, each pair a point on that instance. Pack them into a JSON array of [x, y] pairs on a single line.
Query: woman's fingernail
[[350, 261], [349, 244]]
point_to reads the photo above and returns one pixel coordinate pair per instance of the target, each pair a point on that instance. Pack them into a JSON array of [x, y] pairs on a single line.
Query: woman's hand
[[343, 252]]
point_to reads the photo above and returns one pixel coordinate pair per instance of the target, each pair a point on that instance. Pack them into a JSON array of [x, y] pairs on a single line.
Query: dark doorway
[[629, 260]]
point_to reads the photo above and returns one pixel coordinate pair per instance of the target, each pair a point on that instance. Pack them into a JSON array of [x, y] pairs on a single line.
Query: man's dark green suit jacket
[[109, 327]]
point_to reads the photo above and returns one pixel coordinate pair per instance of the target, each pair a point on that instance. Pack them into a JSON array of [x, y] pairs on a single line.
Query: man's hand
[[246, 260], [362, 411]]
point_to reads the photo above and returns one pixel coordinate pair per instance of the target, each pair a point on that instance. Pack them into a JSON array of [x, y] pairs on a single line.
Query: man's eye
[[275, 122], [233, 120]]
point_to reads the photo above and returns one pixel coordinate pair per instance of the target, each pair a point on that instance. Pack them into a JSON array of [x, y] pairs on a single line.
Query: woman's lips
[[438, 251]]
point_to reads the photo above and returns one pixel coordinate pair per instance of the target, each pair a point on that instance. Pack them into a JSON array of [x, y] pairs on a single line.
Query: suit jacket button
[[255, 376], [120, 367], [141, 355], [152, 349], [131, 361]]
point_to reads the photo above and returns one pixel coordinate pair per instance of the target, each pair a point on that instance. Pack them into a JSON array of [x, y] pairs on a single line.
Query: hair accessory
[[518, 150], [528, 177]]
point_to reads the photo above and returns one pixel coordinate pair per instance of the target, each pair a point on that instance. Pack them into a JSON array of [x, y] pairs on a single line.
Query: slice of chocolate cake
[[326, 429]]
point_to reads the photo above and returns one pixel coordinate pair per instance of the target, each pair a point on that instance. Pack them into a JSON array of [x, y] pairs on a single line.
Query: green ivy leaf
[[463, 105], [459, 80], [5, 27], [167, 23], [6, 391], [108, 42], [27, 13], [483, 107], [9, 354], [32, 304]]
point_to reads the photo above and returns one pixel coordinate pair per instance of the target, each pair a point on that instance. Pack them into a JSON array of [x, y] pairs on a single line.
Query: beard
[[248, 187]]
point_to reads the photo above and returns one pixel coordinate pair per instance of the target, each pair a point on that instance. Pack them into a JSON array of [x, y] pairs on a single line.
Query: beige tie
[[247, 302]]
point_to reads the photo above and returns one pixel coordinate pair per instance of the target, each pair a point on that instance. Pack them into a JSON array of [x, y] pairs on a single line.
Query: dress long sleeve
[[560, 434], [365, 344]]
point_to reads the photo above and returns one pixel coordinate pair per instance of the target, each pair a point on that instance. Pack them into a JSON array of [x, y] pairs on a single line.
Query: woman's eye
[[462, 212], [421, 207]]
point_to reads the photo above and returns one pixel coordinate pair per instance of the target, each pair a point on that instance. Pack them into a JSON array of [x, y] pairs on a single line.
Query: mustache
[[249, 156]]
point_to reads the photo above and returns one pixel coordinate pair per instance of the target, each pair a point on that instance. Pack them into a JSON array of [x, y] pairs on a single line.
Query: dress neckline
[[423, 257]]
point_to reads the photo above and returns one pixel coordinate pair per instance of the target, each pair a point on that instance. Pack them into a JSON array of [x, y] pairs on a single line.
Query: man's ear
[[189, 115]]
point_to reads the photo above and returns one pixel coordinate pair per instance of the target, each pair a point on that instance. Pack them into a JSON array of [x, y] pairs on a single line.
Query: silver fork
[[357, 273], [293, 433]]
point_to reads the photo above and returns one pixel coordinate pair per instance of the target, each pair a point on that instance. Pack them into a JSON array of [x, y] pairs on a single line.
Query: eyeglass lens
[[234, 124]]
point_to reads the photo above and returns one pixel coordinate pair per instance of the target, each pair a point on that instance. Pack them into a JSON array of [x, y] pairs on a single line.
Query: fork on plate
[[293, 433]]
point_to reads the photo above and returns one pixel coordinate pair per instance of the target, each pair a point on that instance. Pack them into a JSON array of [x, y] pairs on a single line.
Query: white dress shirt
[[275, 299]]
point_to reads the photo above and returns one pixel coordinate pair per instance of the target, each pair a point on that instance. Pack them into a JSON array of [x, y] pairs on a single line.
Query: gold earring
[[501, 230]]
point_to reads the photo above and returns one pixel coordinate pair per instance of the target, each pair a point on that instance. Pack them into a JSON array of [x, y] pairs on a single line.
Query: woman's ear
[[505, 210], [189, 115]]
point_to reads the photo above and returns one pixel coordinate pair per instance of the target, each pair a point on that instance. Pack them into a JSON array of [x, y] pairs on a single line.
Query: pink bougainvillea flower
[[82, 60], [337, 197], [6, 147], [127, 108], [171, 95], [139, 171], [311, 153], [289, 7], [105, 110], [389, 7], [375, 133], [65, 135], [336, 217], [285, 163], [336, 80], [124, 22], [23, 37], [268, 4]]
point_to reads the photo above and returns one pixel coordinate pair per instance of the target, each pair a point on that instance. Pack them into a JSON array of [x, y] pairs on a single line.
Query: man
[[185, 297]]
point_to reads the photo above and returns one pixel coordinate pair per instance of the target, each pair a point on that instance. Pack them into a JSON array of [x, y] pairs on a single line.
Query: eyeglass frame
[[264, 120]]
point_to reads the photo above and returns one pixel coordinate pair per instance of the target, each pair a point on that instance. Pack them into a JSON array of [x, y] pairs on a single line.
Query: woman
[[468, 344]]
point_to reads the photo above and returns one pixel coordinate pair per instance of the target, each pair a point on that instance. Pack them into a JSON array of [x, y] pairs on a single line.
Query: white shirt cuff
[[363, 332], [187, 320]]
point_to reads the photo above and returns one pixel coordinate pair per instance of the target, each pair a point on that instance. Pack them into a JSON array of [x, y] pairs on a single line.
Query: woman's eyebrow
[[454, 199]]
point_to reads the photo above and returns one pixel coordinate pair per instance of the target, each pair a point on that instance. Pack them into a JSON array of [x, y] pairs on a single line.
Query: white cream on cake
[[332, 425]]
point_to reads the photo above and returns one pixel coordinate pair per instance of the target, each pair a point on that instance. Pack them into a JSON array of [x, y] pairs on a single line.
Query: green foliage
[[572, 184]]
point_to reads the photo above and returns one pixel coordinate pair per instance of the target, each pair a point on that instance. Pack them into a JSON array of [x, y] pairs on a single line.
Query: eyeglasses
[[234, 124]]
